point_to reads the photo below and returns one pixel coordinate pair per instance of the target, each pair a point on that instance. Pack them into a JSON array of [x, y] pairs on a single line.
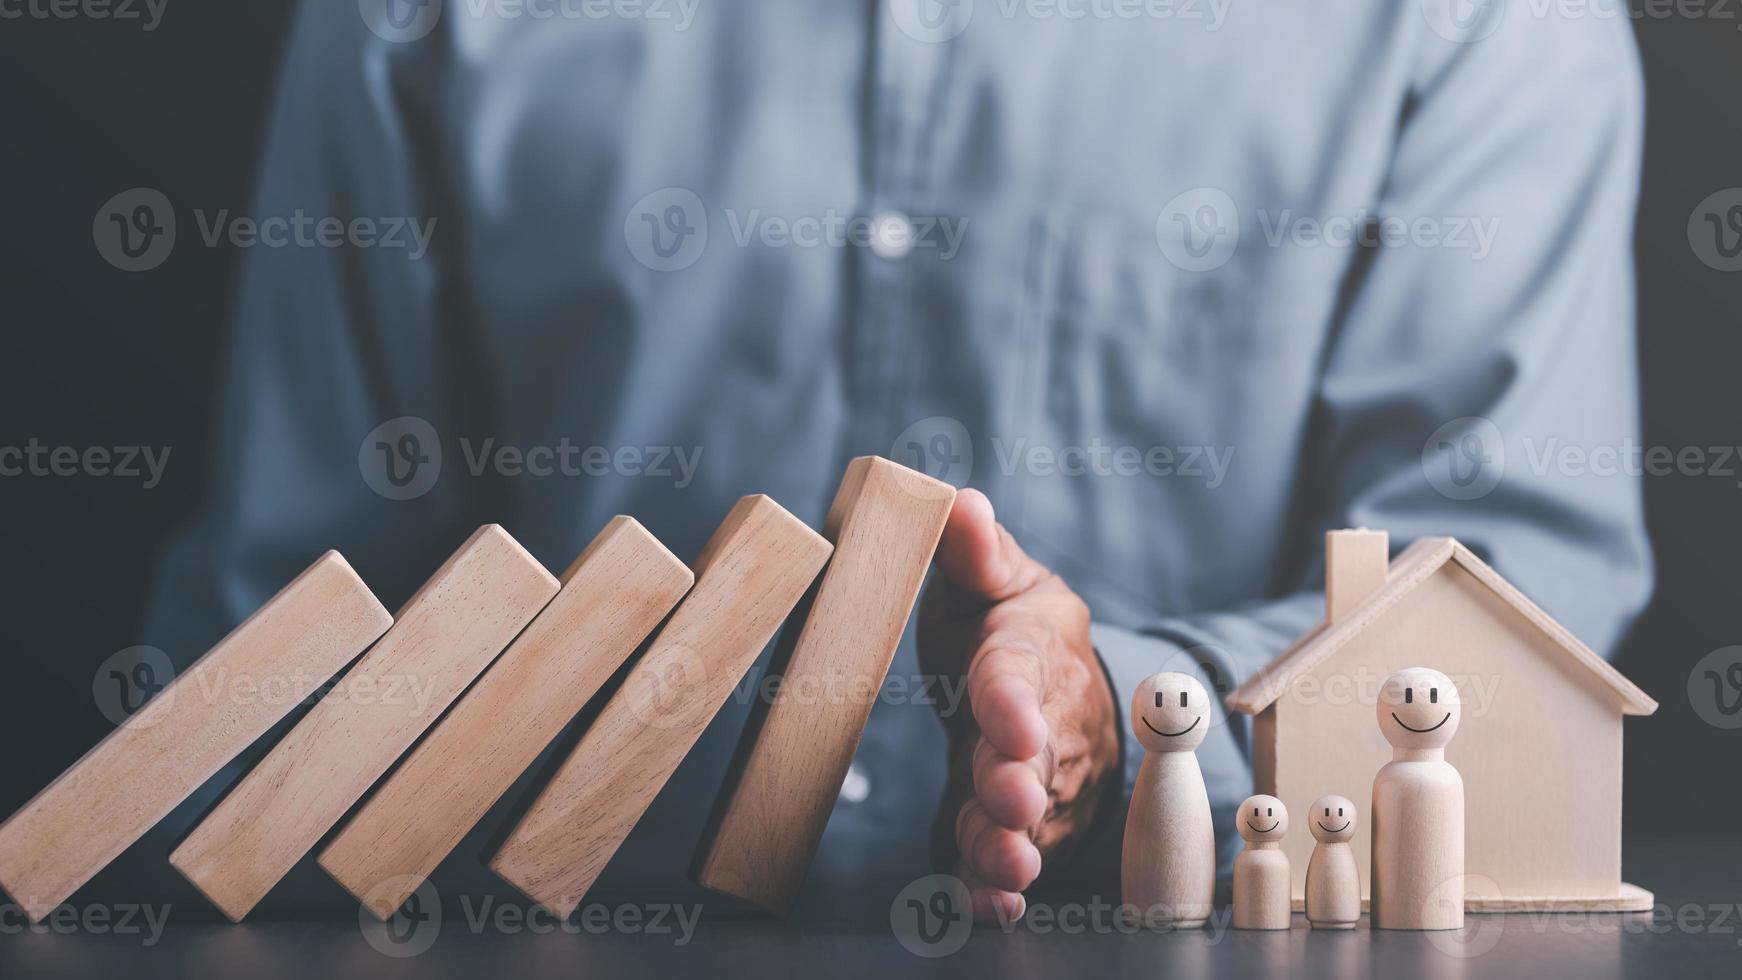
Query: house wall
[[1538, 742]]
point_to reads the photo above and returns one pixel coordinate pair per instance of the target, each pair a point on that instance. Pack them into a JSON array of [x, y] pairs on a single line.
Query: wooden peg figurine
[[1333, 883], [1168, 868], [1418, 807], [1261, 870]]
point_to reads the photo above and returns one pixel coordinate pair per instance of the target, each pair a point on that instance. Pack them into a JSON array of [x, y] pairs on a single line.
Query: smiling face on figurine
[[1332, 819], [1170, 712], [1262, 818], [1418, 708]]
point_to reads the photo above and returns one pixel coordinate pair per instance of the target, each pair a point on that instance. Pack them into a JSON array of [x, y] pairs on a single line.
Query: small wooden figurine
[[1333, 883], [1418, 807], [1168, 868], [1261, 870]]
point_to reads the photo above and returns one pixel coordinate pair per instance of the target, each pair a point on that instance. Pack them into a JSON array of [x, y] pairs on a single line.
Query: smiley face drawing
[[1418, 708], [1170, 712], [1262, 818], [1332, 819]]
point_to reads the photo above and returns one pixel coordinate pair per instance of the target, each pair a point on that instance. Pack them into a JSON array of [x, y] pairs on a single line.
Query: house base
[[1630, 898]]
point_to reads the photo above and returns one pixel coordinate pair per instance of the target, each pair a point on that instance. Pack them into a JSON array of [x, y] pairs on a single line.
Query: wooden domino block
[[612, 597], [156, 759], [755, 568], [885, 524], [442, 639]]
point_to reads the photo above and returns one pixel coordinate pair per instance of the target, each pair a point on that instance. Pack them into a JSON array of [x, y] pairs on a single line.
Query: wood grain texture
[[200, 721], [612, 597], [754, 569], [885, 523], [443, 638]]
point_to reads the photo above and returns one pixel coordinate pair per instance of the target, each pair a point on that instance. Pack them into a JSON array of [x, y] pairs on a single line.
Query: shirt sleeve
[[334, 332], [1457, 376]]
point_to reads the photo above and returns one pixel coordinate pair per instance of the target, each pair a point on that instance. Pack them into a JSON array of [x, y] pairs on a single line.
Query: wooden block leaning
[[885, 524], [612, 597], [443, 638], [755, 568], [156, 759]]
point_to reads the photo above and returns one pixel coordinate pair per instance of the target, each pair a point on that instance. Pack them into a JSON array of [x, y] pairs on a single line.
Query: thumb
[[979, 556]]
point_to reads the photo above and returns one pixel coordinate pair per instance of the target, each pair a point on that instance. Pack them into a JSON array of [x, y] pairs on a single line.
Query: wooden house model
[[1539, 744]]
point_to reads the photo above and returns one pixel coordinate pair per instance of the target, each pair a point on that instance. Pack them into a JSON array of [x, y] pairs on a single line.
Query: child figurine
[[1261, 870], [1333, 883]]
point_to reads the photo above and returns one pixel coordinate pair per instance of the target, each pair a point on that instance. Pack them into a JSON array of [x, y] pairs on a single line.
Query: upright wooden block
[[885, 524], [752, 572], [612, 597], [229, 698], [477, 602]]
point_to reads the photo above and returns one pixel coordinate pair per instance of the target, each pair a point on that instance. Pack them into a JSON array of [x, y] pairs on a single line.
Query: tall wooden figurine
[[1261, 870], [1418, 807], [1168, 868], [1333, 883]]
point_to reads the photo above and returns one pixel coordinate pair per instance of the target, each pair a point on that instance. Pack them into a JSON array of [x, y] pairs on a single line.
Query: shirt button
[[856, 788], [891, 234]]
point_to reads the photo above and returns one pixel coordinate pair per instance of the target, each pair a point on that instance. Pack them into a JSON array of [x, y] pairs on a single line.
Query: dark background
[[97, 357]]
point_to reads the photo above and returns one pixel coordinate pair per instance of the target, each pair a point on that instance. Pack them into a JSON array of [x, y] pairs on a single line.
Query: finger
[[1006, 684], [1001, 857], [992, 906], [979, 556], [1013, 791]]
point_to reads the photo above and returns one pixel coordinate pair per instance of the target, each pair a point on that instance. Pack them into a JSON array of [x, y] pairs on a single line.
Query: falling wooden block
[[885, 524], [752, 572], [612, 597], [446, 635], [156, 759]]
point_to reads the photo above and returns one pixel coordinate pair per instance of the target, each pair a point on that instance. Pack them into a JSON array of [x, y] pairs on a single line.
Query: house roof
[[1418, 563]]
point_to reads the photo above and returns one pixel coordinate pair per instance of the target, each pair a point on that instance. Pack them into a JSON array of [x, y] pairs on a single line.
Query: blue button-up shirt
[[1180, 285]]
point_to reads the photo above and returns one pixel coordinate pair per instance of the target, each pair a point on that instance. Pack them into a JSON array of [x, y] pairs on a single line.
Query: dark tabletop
[[1695, 931]]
